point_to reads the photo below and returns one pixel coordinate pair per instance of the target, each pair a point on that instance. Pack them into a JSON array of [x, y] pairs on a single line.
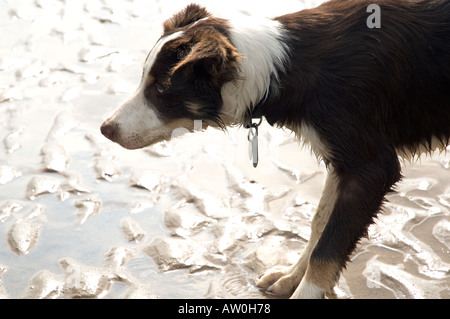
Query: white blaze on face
[[135, 123], [154, 53]]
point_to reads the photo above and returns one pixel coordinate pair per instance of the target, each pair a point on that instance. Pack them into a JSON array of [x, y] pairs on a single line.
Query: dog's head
[[181, 81]]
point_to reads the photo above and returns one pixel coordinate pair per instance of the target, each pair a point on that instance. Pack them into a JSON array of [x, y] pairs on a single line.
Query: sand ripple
[[24, 232]]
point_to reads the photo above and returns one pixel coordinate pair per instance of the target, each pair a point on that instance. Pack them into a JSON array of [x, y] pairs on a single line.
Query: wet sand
[[82, 217]]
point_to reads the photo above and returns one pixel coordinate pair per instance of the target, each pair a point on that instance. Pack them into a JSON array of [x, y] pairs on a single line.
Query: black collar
[[258, 113], [255, 114]]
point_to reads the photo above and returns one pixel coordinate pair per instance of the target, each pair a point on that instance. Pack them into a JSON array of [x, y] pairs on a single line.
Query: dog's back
[[393, 80]]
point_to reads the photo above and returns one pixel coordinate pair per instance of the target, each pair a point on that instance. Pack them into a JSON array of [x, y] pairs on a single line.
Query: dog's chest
[[308, 135]]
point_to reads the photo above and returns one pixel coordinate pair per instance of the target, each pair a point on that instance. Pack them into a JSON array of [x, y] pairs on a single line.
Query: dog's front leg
[[360, 193], [284, 280]]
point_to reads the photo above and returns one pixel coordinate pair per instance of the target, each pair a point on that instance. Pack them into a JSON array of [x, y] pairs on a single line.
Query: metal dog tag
[[253, 146]]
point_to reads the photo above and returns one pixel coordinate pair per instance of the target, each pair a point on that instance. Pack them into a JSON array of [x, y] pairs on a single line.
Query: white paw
[[280, 280]]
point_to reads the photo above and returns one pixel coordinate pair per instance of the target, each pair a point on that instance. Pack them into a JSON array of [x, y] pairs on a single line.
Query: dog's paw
[[307, 290], [279, 280]]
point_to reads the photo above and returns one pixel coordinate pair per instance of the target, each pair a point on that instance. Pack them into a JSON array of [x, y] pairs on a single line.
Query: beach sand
[[80, 217]]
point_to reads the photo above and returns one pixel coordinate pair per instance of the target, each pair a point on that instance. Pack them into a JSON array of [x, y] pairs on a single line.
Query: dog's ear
[[188, 15], [212, 59]]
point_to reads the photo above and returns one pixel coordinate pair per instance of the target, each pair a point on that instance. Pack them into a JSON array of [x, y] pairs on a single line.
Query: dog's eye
[[160, 88]]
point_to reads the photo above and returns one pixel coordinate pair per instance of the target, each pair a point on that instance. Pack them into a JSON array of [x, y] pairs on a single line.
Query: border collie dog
[[360, 95]]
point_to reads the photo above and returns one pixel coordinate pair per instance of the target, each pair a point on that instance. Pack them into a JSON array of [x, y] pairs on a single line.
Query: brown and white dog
[[360, 93]]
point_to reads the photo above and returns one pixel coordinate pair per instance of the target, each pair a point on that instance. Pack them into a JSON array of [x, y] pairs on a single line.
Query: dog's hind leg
[[284, 280], [360, 193]]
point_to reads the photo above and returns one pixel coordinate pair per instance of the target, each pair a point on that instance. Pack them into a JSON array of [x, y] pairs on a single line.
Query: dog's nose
[[108, 130]]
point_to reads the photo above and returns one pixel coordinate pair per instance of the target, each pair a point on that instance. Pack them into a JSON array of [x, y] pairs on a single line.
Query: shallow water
[[82, 217]]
